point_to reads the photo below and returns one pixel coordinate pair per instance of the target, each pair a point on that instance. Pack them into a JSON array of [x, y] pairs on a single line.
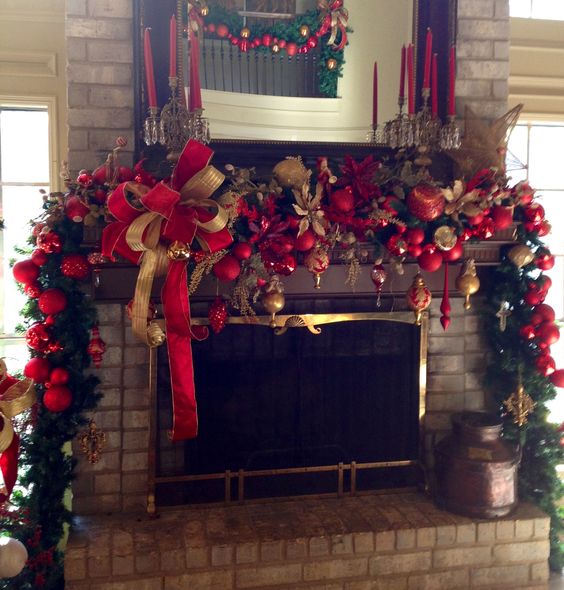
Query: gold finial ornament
[[418, 297], [92, 442], [273, 299], [520, 404], [467, 281]]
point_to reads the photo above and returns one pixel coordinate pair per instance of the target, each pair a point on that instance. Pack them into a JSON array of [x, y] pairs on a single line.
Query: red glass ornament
[[557, 378], [426, 202], [39, 257], [544, 228], [342, 200], [414, 235], [57, 398], [59, 376], [547, 333], [546, 311], [312, 42], [52, 301], [454, 253], [217, 314], [96, 347], [75, 266], [545, 261], [100, 175], [466, 234], [527, 332], [414, 250], [96, 258], [545, 365], [54, 347], [305, 241], [532, 298], [418, 296], [282, 43], [266, 40], [37, 337], [33, 290], [242, 250], [430, 260], [227, 269], [534, 213], [397, 245], [502, 217], [536, 318], [291, 49], [75, 209], [475, 220], [50, 242], [545, 282], [85, 179], [486, 229], [284, 265], [281, 245], [378, 276], [25, 271], [38, 369]]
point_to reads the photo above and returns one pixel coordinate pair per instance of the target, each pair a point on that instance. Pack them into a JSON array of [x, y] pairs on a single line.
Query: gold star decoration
[[484, 144], [520, 404]]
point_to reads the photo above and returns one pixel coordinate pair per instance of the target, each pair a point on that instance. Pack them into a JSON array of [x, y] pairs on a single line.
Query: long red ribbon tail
[[177, 316], [9, 467]]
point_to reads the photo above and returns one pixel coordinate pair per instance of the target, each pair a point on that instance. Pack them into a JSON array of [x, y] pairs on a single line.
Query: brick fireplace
[[351, 543]]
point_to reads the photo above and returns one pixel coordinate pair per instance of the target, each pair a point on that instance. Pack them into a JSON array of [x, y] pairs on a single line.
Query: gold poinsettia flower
[[308, 206], [459, 201]]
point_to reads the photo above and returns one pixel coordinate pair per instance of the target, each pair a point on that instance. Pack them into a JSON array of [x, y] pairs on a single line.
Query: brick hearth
[[367, 542]]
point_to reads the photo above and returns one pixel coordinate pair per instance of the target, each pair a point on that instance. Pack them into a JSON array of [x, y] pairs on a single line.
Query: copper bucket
[[476, 470]]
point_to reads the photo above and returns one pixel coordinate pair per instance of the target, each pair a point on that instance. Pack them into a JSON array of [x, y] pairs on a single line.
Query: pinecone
[[217, 314]]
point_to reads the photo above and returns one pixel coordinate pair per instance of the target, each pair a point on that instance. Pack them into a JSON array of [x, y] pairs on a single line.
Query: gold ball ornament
[[178, 251], [467, 282], [331, 63], [245, 33], [444, 238], [275, 48], [290, 173], [204, 11], [520, 255], [304, 31]]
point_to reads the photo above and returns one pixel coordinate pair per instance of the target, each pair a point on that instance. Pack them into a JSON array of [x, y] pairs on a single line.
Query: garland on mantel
[[324, 28], [364, 210]]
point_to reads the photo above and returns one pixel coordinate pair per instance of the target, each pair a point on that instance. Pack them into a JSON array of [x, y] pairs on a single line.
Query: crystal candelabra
[[175, 125]]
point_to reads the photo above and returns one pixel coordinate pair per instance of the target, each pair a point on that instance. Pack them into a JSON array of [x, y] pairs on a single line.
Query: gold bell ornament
[[273, 299], [178, 251], [418, 297], [467, 282], [520, 255]]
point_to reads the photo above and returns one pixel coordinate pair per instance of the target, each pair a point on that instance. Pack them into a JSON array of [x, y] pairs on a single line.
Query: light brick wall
[[100, 77]]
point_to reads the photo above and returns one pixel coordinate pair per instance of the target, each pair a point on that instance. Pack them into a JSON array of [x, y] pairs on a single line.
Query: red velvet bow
[[335, 18]]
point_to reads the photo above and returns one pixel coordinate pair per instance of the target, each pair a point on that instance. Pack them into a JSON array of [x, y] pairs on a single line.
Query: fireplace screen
[[296, 413]]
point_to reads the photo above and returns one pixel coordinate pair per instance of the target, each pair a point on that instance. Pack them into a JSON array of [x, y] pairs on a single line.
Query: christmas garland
[[298, 216], [324, 28]]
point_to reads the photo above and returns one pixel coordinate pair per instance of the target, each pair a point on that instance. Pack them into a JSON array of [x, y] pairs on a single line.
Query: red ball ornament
[[52, 301], [536, 318], [39, 257], [284, 265], [211, 28], [544, 228], [84, 179], [125, 174], [75, 209], [75, 266], [291, 49], [545, 261], [545, 365], [266, 40], [312, 42], [217, 314], [426, 202], [546, 311], [397, 245], [430, 260], [282, 43], [57, 398], [25, 271], [227, 269], [475, 220], [532, 298], [527, 332], [557, 378], [534, 213], [305, 241], [222, 31], [342, 200], [545, 282], [33, 290], [414, 250], [242, 250], [59, 376], [486, 229], [547, 333], [100, 175], [502, 217], [414, 235], [38, 369], [454, 253], [37, 337], [50, 242]]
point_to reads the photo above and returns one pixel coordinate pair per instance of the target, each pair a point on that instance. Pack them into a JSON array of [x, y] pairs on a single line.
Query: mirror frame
[[439, 15]]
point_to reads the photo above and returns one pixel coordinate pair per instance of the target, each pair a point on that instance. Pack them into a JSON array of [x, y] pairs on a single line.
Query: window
[[535, 145], [24, 171], [547, 9]]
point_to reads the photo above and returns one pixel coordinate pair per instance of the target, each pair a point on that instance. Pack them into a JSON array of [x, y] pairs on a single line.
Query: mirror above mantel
[[378, 30]]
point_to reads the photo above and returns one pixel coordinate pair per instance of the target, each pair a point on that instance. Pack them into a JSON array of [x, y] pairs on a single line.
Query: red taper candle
[[149, 72], [451, 81], [375, 97], [428, 52], [195, 100], [402, 75], [172, 48], [434, 89], [410, 81]]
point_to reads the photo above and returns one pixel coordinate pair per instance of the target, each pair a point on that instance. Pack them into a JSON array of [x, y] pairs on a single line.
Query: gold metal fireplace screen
[[280, 324]]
